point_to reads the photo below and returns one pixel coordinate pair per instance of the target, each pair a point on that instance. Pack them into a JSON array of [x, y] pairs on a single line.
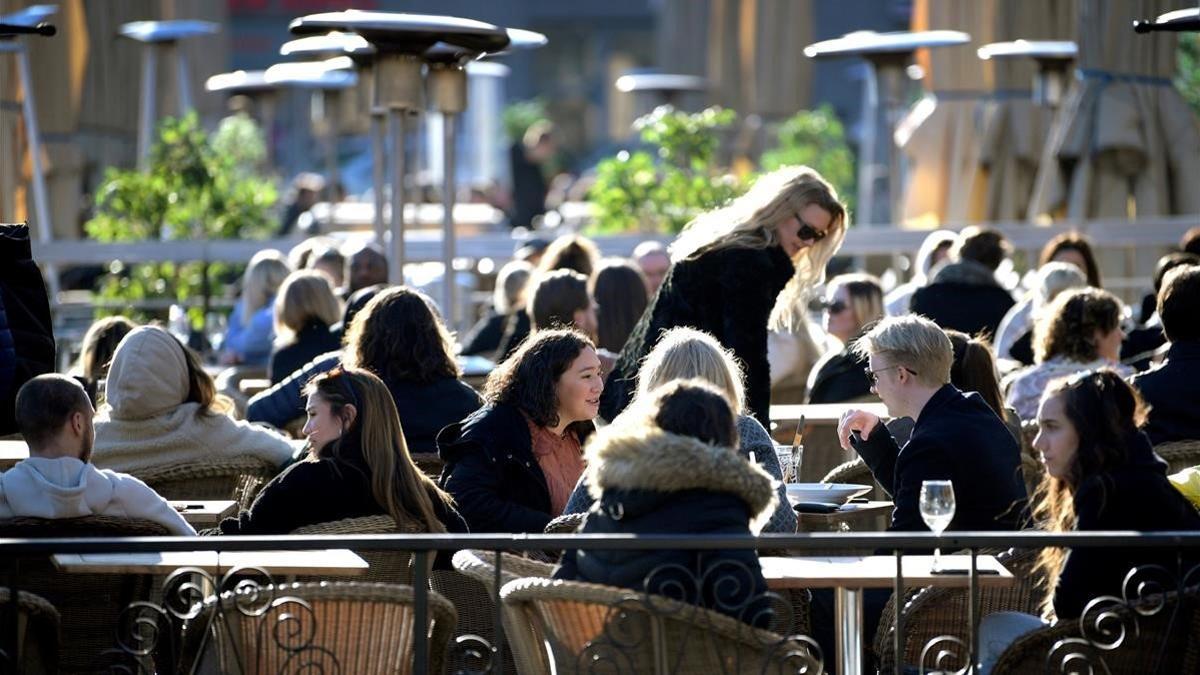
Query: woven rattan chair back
[[89, 604], [343, 627], [1179, 455], [393, 567], [527, 656], [932, 612], [589, 627], [37, 634], [237, 478]]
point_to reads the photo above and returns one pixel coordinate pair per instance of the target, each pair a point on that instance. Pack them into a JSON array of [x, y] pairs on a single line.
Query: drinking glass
[[937, 509], [789, 461]]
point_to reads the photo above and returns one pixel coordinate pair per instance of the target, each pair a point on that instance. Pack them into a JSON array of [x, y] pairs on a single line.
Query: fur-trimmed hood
[[624, 457]]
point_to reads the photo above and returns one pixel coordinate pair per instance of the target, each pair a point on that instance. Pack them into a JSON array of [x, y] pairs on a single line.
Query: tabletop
[[822, 413], [205, 513], [848, 512], [330, 562], [878, 571], [12, 452]]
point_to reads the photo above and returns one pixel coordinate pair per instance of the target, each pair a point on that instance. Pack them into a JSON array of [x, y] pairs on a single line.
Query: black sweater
[[313, 340]]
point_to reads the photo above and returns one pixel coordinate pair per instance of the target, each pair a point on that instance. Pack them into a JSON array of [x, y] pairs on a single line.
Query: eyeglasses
[[874, 379], [835, 307], [808, 232]]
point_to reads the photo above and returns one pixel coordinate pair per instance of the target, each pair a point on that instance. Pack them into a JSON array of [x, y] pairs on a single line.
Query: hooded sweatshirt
[[65, 487], [147, 424]]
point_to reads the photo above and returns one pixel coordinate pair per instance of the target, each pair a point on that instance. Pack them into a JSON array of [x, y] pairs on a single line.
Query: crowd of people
[[638, 390]]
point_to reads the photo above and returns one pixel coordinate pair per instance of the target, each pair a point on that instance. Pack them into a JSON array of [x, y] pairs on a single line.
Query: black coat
[[728, 293], [1134, 496], [26, 330], [484, 337], [840, 377], [313, 340], [957, 437], [653, 482], [965, 297], [491, 471], [1173, 394]]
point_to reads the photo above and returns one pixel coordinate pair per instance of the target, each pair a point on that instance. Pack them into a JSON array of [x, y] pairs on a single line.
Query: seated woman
[[1080, 330], [1101, 474], [252, 323], [357, 465], [508, 300], [305, 308], [855, 301], [96, 352], [400, 338], [667, 466], [511, 465], [162, 408], [1014, 337], [619, 289], [684, 354]]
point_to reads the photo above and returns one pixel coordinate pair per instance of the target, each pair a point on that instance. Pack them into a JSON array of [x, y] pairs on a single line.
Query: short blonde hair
[[305, 295], [913, 342], [686, 353]]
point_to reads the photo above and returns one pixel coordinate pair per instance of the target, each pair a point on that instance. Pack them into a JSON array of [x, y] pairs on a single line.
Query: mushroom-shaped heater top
[[329, 44], [1048, 50], [869, 43], [660, 82], [239, 81], [405, 33], [311, 74], [28, 21], [167, 31], [1179, 20]]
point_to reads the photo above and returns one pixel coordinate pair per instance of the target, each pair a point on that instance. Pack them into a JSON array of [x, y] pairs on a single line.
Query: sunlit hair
[[555, 297], [330, 261], [264, 275], [693, 408], [1067, 328], [100, 343], [301, 255], [1105, 413], [570, 252], [1073, 241], [938, 240], [974, 369], [510, 286], [402, 489], [400, 337], [1179, 304], [982, 244], [1054, 278], [750, 221], [527, 379], [911, 341], [305, 295], [865, 293], [686, 354], [619, 288]]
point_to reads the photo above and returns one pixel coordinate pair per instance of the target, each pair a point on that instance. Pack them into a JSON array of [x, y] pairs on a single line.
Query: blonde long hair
[[305, 295], [264, 275], [750, 220]]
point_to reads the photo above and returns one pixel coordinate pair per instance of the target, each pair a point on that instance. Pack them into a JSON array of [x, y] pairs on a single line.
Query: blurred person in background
[[1171, 388], [527, 157], [305, 308], [854, 303], [366, 265], [508, 300], [97, 349], [619, 290], [570, 252], [654, 261], [934, 251], [964, 294], [1076, 249], [330, 262], [252, 323], [1014, 338]]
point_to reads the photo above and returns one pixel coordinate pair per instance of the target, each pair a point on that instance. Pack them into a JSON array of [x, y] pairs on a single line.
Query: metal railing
[[1104, 627]]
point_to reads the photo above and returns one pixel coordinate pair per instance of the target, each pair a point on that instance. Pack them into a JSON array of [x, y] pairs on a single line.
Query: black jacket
[[963, 296], [491, 471], [1135, 496], [956, 437], [1173, 394], [26, 330], [313, 340], [653, 482], [839, 377], [728, 293], [484, 337]]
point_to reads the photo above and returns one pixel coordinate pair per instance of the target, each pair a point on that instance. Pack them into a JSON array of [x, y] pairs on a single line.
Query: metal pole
[[890, 77], [378, 170], [41, 203], [183, 80], [329, 105], [396, 269], [149, 93], [448, 242], [866, 151]]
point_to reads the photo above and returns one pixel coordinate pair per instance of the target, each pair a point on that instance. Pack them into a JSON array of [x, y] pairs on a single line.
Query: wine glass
[[937, 509]]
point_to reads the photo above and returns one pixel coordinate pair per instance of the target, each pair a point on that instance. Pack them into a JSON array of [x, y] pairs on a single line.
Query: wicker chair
[[89, 604], [588, 627], [526, 655], [1179, 455], [362, 628], [393, 567], [37, 634], [237, 478], [1166, 640], [935, 611]]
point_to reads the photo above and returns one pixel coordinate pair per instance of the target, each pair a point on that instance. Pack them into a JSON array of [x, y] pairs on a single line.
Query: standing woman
[[729, 267], [511, 465]]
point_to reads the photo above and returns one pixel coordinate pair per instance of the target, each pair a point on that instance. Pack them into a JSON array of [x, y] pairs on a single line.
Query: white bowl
[[825, 493]]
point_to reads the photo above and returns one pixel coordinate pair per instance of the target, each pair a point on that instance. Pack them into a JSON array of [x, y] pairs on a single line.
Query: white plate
[[825, 493]]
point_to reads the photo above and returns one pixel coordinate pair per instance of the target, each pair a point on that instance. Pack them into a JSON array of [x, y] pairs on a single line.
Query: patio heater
[[252, 84], [155, 35], [326, 79], [1054, 59], [399, 41], [661, 88], [1179, 21], [888, 55], [30, 21], [446, 84]]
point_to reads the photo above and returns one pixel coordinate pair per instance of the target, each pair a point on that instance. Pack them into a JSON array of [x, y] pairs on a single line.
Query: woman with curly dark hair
[[512, 464], [1080, 330]]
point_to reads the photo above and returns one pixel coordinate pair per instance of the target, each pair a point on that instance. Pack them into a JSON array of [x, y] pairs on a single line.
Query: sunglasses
[[835, 307], [873, 378], [808, 232]]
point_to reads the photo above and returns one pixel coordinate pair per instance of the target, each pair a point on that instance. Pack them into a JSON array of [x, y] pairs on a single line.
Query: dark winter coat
[[839, 376], [1135, 496], [484, 337], [647, 481], [1173, 394], [26, 330], [313, 340], [491, 471], [957, 437], [964, 296], [728, 293]]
